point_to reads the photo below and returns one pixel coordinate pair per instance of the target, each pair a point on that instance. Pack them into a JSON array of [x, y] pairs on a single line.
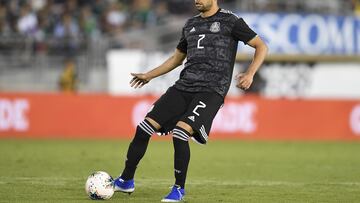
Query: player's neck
[[210, 12]]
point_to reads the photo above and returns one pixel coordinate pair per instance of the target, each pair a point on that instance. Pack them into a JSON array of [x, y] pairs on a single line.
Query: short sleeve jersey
[[211, 45]]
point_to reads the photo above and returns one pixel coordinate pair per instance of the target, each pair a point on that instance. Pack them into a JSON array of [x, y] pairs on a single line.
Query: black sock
[[181, 155], [137, 149]]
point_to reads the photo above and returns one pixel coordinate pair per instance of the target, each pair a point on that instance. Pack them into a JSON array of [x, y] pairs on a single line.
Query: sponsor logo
[[192, 30], [192, 118], [215, 27], [307, 34], [355, 120], [13, 115]]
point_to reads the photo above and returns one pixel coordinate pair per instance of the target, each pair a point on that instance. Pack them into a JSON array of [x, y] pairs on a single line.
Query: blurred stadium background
[[89, 48], [64, 72]]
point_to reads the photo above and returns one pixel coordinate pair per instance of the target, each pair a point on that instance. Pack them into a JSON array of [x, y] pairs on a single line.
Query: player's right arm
[[140, 79]]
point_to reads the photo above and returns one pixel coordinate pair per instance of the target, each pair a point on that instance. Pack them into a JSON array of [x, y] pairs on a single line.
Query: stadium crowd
[[88, 17], [60, 18], [53, 22]]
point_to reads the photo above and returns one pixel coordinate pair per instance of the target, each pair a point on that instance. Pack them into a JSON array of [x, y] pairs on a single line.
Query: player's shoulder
[[229, 14], [193, 19]]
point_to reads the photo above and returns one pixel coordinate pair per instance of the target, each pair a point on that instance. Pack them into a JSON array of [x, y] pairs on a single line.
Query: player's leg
[[181, 134], [195, 123], [136, 151], [168, 106], [138, 146]]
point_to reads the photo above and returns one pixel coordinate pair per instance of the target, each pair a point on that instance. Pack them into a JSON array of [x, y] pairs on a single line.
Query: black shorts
[[197, 109]]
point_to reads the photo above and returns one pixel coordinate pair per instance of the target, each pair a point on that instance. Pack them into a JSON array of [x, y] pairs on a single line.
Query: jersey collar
[[211, 15]]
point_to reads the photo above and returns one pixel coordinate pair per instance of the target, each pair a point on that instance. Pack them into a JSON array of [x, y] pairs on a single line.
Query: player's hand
[[244, 80], [139, 80]]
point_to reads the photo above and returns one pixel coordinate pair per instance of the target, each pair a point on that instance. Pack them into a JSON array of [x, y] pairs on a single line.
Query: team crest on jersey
[[215, 27]]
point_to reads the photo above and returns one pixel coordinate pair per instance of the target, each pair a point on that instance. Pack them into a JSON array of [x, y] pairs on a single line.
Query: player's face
[[203, 5]]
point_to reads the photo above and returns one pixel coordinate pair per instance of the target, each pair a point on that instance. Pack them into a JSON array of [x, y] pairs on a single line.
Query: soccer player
[[209, 42]]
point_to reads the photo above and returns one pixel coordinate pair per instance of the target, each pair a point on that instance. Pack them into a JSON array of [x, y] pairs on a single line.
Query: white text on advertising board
[[307, 34], [13, 114]]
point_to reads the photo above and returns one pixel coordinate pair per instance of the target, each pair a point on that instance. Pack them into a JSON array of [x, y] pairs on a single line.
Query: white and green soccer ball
[[99, 186]]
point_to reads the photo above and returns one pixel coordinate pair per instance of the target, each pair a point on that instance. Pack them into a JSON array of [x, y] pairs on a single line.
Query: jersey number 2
[[201, 37], [202, 105]]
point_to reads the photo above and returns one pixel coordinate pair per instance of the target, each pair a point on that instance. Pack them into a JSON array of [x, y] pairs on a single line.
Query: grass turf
[[223, 171]]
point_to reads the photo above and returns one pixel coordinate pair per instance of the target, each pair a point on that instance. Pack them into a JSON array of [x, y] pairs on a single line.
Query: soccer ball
[[99, 185]]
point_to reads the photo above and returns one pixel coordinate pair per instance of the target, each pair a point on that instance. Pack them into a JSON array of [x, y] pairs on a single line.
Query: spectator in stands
[[180, 6], [115, 18], [67, 33], [161, 13], [46, 19], [68, 78], [27, 23], [88, 22], [356, 6], [141, 13], [37, 5], [4, 26], [99, 7], [71, 7], [12, 14]]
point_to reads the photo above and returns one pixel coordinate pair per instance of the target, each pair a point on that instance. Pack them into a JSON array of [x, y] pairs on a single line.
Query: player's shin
[[137, 149], [181, 155]]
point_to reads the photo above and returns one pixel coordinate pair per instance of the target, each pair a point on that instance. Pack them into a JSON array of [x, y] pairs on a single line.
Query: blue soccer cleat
[[176, 195], [126, 186]]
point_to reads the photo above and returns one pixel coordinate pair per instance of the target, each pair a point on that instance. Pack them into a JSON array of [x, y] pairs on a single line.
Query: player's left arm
[[244, 80], [140, 79]]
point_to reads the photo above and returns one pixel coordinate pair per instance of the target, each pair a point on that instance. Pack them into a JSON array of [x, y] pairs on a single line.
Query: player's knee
[[181, 133], [146, 127], [185, 126], [155, 124]]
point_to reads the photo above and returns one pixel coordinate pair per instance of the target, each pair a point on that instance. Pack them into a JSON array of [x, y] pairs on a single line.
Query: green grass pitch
[[222, 171]]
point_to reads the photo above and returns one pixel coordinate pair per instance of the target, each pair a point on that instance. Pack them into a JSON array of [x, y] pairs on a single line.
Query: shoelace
[[178, 190]]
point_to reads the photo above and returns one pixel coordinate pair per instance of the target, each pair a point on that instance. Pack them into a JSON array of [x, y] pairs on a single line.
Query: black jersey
[[211, 44]]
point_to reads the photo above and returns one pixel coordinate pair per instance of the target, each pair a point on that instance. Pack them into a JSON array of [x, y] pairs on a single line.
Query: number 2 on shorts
[[200, 105]]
